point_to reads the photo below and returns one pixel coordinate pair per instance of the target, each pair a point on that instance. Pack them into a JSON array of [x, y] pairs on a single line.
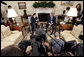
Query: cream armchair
[[73, 35], [9, 37]]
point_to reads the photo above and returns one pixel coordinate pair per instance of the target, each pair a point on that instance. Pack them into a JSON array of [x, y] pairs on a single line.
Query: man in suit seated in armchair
[[51, 22]]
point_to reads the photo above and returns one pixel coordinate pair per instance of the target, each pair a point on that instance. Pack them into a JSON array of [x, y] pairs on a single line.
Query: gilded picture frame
[[67, 3], [22, 5]]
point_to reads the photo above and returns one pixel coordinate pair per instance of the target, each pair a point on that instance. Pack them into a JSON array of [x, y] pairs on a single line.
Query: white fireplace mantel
[[44, 10]]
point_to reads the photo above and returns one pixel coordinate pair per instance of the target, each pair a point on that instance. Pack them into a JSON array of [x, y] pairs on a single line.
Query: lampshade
[[72, 12], [11, 13]]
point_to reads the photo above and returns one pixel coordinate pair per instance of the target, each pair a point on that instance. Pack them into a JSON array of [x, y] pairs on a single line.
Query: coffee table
[[66, 26]]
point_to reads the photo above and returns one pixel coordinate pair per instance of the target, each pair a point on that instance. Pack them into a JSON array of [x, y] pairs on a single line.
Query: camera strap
[[55, 40]]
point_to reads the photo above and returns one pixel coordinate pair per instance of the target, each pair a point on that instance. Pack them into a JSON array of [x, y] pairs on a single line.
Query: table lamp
[[12, 14], [72, 13]]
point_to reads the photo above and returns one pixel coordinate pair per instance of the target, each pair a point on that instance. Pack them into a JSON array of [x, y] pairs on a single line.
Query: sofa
[[67, 35], [9, 37]]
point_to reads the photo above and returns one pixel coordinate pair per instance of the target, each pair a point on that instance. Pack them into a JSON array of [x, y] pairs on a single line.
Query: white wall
[[59, 8], [20, 12], [30, 10]]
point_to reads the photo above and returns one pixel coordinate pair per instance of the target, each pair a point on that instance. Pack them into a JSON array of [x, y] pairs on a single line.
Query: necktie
[[51, 20]]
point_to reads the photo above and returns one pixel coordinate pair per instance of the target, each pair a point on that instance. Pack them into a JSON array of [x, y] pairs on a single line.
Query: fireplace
[[43, 17], [43, 13]]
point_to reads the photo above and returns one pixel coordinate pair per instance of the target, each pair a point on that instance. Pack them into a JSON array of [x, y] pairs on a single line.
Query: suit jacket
[[33, 20], [53, 20]]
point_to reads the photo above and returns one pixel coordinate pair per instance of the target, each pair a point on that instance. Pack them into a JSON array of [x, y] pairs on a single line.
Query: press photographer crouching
[[25, 46], [39, 45], [36, 46], [23, 49]]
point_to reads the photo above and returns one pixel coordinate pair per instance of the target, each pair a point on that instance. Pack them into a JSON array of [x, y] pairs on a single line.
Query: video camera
[[40, 38]]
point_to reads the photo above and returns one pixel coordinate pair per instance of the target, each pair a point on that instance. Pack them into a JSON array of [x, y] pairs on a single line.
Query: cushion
[[76, 31], [81, 33], [81, 29], [14, 31], [14, 37], [80, 26], [6, 31], [6, 43], [2, 36], [68, 37], [2, 27], [67, 31]]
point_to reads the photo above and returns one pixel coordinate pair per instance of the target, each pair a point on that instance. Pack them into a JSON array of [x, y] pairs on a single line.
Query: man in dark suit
[[34, 22], [51, 22]]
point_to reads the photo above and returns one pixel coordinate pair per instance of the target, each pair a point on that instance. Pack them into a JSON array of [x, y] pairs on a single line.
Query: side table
[[19, 27]]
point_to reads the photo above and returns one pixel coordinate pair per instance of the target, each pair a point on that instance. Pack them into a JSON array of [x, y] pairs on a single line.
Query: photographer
[[39, 44], [57, 44], [25, 46], [23, 49]]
